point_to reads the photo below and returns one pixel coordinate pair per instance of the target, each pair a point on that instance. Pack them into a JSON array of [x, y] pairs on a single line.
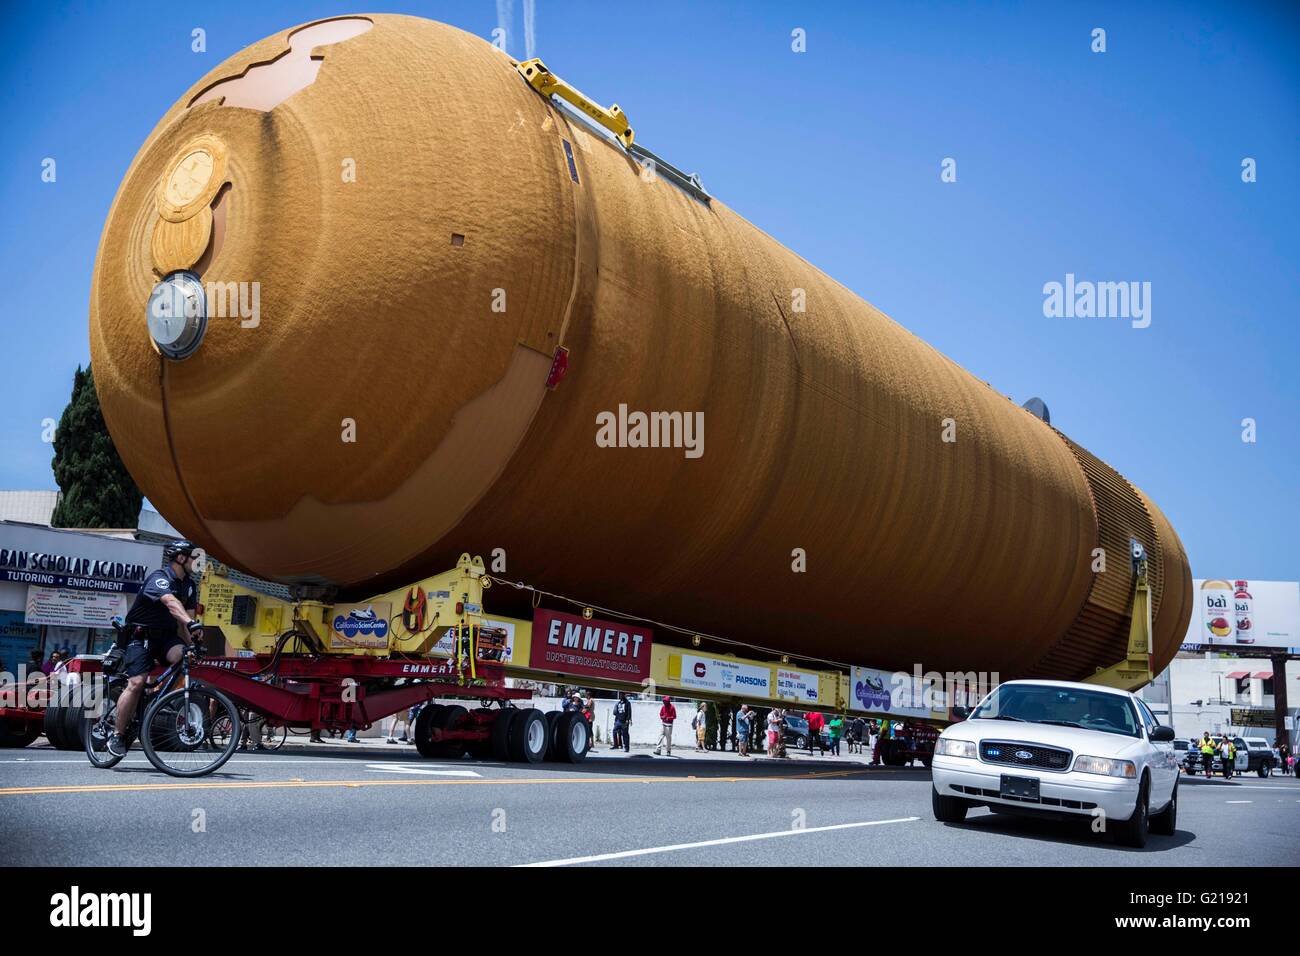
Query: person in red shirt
[[667, 714], [815, 724]]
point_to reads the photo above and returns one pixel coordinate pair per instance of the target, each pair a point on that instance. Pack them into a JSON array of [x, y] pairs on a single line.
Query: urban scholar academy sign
[[569, 644], [66, 571]]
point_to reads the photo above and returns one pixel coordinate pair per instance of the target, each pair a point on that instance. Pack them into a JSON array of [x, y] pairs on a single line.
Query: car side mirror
[[1162, 734], [961, 713]]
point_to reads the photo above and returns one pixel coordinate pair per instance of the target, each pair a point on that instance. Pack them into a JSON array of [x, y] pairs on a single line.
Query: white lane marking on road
[[623, 854], [1238, 801], [401, 768]]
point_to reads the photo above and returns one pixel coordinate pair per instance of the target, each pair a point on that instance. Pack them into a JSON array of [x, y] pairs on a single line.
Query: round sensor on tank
[[178, 314]]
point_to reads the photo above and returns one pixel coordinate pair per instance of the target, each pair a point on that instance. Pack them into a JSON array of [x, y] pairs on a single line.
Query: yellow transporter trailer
[[313, 663]]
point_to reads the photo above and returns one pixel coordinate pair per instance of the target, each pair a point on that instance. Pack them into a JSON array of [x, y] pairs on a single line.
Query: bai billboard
[[1241, 613]]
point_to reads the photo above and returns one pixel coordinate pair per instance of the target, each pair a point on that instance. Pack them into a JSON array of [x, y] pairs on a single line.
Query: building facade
[[60, 589]]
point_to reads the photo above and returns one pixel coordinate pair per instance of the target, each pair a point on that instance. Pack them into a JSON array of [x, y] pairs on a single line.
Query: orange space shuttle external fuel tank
[[391, 236]]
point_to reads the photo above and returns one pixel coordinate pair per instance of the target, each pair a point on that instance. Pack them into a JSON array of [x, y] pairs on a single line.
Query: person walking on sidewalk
[[698, 724], [815, 724], [623, 723], [667, 714]]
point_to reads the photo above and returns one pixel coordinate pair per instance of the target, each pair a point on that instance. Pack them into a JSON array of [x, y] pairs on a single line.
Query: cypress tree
[[98, 491]]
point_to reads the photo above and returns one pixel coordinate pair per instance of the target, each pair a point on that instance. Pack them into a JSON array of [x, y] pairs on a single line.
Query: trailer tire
[[552, 719], [572, 738], [480, 749], [53, 727], [528, 738], [18, 733], [449, 718], [72, 728], [423, 724], [501, 733]]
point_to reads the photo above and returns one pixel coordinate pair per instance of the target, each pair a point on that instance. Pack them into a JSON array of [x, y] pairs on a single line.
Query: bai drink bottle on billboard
[[1218, 617], [1244, 606]]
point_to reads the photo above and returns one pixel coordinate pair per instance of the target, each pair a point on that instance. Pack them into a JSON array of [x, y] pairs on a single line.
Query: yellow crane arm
[[541, 79]]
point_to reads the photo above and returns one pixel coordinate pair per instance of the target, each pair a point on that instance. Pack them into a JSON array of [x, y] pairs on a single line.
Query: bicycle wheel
[[273, 738], [95, 732], [177, 733], [221, 731]]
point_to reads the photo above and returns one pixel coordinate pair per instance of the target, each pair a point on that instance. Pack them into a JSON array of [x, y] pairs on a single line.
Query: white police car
[[1061, 749]]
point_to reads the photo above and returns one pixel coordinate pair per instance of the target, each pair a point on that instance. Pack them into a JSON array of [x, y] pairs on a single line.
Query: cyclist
[[159, 629]]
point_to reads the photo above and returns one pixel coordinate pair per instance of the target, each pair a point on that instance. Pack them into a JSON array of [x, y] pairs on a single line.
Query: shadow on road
[[1069, 832]]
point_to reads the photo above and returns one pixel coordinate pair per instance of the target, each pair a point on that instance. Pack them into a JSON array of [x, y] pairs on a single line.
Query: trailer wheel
[[552, 748], [572, 737], [18, 733], [423, 724], [52, 727], [480, 749], [449, 718], [72, 727], [528, 741], [501, 733]]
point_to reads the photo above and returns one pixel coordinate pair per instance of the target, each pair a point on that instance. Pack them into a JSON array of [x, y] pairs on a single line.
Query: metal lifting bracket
[[548, 84], [1135, 670], [541, 79]]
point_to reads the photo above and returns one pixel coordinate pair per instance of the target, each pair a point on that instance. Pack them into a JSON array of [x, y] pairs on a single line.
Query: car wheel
[[1165, 822], [801, 743], [1133, 831], [1264, 769], [947, 809]]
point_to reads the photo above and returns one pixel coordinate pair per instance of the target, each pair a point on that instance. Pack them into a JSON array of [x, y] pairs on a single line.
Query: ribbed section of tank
[[424, 231]]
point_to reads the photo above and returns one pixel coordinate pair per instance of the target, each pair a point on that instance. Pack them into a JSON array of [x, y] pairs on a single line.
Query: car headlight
[[1106, 767], [951, 747]]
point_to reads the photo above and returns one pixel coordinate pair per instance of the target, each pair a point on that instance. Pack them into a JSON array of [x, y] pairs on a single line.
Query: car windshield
[[1072, 706]]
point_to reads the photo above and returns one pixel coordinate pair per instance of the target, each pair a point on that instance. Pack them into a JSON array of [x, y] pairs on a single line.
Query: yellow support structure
[[1135, 670], [541, 79]]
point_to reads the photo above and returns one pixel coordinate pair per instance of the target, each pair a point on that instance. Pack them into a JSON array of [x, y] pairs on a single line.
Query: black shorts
[[141, 656]]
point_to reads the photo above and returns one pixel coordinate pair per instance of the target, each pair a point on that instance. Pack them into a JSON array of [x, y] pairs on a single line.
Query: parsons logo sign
[[569, 644]]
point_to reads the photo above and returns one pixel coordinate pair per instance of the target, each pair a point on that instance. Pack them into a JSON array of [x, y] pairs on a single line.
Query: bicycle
[[175, 727], [273, 737]]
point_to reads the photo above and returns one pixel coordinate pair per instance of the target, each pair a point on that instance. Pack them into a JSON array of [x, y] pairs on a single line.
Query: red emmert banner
[[568, 644]]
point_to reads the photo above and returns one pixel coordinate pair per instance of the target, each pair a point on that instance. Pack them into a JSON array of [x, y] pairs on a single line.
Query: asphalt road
[[329, 806]]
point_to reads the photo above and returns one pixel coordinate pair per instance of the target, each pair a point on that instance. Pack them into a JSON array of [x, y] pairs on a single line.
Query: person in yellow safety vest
[[1207, 753], [1227, 756]]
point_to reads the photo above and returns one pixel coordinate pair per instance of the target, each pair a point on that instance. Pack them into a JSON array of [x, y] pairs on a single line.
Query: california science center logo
[[872, 694], [364, 622]]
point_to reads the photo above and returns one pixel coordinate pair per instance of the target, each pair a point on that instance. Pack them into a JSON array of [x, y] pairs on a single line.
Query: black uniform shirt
[[148, 609]]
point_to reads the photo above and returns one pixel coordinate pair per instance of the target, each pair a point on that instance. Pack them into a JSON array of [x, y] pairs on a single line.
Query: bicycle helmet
[[176, 548]]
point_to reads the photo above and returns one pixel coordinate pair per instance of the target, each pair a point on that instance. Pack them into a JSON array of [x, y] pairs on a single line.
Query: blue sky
[[1123, 165]]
